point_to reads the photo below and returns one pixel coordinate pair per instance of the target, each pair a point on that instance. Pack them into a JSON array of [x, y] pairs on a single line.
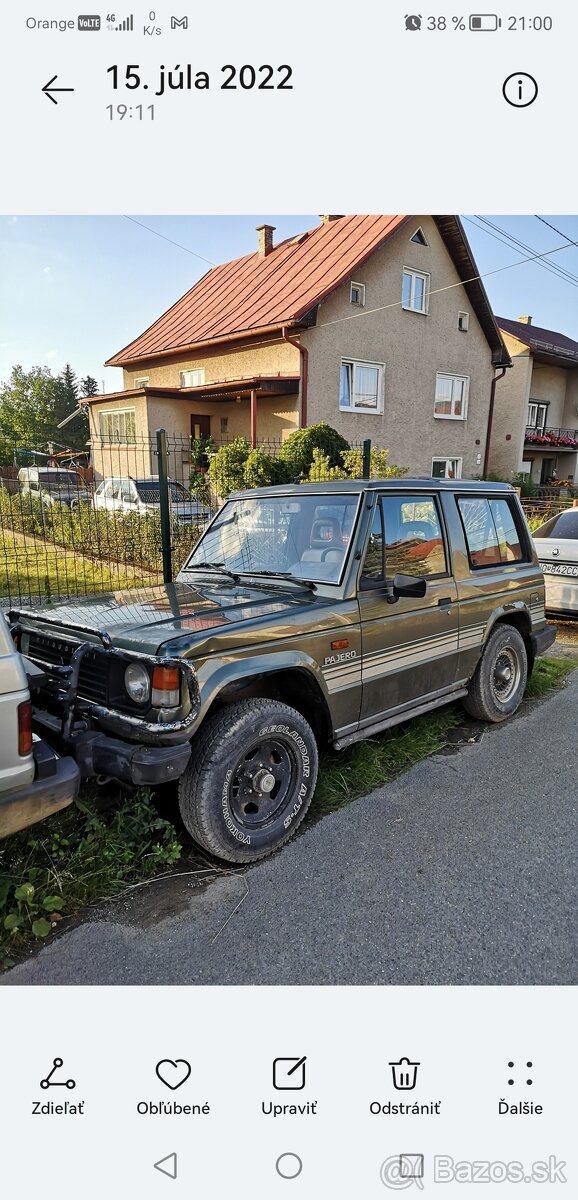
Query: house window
[[361, 387], [194, 378], [463, 322], [357, 294], [419, 237], [141, 382], [224, 424], [415, 290], [118, 425], [537, 416], [446, 468], [451, 400]]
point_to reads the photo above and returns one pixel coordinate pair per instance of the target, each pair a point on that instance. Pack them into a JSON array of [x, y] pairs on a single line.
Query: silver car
[[557, 546], [34, 780], [142, 496]]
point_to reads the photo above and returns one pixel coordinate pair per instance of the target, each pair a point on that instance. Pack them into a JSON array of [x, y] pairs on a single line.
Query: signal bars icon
[[125, 26]]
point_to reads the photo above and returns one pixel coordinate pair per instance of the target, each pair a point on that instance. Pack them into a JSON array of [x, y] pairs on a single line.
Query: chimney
[[265, 244], [325, 219], [525, 320]]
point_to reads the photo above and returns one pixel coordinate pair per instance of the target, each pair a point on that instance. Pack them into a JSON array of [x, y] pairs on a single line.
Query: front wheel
[[496, 689], [250, 780]]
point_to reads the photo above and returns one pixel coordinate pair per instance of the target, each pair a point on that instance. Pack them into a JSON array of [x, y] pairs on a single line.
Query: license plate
[[560, 569]]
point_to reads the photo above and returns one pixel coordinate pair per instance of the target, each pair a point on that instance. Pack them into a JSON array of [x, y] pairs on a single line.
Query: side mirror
[[409, 585]]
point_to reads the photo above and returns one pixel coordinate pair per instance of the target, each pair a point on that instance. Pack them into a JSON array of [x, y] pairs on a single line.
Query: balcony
[[551, 438]]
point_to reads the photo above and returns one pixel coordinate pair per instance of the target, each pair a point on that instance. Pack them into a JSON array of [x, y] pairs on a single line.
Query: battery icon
[[485, 22]]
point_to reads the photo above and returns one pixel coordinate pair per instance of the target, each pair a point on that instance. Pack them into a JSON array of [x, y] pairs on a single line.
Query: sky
[[77, 289]]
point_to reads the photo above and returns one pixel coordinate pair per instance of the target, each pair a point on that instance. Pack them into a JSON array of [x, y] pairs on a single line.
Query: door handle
[[445, 602]]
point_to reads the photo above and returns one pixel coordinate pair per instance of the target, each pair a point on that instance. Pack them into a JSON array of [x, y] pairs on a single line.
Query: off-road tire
[[492, 696], [216, 804]]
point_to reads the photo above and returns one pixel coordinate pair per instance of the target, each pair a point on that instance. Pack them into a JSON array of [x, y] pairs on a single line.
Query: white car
[[142, 496], [34, 780], [557, 547]]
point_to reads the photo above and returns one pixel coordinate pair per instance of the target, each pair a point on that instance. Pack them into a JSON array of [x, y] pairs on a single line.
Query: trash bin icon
[[404, 1074]]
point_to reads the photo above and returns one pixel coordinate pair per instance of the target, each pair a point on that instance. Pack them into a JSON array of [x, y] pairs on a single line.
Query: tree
[[88, 386], [32, 404]]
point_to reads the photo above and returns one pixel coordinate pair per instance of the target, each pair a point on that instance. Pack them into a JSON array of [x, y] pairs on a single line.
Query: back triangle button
[[167, 1166]]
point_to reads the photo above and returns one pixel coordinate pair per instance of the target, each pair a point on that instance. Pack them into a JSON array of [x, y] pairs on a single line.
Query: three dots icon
[[528, 1081]]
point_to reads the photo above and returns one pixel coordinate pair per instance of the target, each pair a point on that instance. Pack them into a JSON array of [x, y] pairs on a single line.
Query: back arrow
[[48, 89]]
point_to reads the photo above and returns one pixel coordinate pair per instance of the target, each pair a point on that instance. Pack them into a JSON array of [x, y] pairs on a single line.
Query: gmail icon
[[179, 22]]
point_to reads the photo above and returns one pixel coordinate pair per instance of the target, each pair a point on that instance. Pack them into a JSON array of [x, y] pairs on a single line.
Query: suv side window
[[492, 534], [409, 528]]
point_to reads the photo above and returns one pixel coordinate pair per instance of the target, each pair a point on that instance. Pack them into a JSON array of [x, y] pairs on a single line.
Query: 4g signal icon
[[126, 25]]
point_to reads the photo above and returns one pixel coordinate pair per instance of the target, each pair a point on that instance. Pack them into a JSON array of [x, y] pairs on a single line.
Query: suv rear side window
[[491, 530]]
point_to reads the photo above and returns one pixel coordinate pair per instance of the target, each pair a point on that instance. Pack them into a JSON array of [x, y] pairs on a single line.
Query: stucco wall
[[237, 362], [511, 411], [109, 459], [549, 384], [413, 347]]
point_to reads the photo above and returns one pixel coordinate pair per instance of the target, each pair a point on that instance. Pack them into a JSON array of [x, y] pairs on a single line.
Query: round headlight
[[137, 683]]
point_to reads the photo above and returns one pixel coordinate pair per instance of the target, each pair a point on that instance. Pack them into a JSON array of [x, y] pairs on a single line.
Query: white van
[[54, 485], [34, 780]]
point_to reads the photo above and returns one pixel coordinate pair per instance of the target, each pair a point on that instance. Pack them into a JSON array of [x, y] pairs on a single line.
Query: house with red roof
[[535, 423], [378, 325]]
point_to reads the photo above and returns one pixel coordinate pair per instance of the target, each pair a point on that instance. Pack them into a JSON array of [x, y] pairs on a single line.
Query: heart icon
[[173, 1072]]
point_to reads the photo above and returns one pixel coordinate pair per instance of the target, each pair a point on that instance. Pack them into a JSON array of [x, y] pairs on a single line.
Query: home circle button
[[289, 1166]]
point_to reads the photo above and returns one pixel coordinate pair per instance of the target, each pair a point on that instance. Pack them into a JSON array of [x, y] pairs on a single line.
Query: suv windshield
[[59, 479], [301, 536]]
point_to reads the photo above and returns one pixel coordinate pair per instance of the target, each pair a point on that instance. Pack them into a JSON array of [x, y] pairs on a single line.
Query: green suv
[[305, 616]]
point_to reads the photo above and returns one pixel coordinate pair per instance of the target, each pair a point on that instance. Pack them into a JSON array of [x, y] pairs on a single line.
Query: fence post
[[366, 460], [164, 505]]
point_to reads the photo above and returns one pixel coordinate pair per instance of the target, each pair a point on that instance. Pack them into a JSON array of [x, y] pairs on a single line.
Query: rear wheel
[[250, 780], [496, 690]]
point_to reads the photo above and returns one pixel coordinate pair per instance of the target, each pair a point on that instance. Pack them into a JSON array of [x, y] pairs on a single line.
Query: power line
[[549, 224], [169, 240], [508, 239]]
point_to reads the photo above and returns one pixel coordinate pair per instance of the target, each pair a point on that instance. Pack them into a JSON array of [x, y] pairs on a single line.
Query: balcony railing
[[551, 438]]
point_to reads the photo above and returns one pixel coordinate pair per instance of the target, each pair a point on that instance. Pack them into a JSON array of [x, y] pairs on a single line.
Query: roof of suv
[[363, 485]]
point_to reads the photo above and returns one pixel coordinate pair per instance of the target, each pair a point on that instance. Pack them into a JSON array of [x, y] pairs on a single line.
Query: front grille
[[93, 678]]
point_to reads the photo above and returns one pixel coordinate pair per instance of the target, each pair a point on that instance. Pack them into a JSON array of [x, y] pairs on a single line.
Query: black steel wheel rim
[[263, 782], [506, 674]]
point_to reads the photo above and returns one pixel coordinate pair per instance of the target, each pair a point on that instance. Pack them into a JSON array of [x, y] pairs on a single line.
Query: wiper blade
[[282, 575], [219, 568]]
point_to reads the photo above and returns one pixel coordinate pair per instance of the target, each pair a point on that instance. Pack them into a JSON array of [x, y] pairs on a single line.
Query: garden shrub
[[297, 451]]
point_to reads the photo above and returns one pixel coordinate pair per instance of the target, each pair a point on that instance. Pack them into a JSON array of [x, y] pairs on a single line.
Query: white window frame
[[437, 458], [451, 416], [198, 372], [535, 424], [361, 289], [142, 381], [463, 321], [360, 408], [426, 293], [417, 240], [116, 412]]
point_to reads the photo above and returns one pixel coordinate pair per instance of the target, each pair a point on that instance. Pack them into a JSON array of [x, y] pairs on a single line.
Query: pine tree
[[88, 386]]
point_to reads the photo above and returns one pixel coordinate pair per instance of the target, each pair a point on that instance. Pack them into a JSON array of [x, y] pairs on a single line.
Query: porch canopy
[[245, 389]]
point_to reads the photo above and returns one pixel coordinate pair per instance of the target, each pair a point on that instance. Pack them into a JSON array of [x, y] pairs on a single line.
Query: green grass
[[548, 673], [76, 858], [32, 569]]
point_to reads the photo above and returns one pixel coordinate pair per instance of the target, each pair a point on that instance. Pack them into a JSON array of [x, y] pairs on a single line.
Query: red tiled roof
[[538, 338], [255, 293]]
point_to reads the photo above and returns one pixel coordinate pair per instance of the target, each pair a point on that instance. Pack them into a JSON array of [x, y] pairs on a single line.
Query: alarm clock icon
[[413, 21]]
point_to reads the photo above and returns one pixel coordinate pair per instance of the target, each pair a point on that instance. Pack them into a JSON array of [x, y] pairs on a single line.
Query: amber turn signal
[[166, 687], [25, 729]]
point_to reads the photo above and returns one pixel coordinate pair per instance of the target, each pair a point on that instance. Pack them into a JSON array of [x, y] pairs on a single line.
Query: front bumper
[[543, 639], [54, 787], [97, 754]]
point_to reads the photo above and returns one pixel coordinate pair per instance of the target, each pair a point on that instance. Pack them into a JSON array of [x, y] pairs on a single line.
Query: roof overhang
[[228, 389]]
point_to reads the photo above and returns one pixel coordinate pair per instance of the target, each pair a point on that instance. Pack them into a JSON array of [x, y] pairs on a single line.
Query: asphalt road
[[463, 871]]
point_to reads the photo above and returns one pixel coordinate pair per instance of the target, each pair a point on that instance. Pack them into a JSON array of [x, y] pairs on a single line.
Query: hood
[[147, 618]]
